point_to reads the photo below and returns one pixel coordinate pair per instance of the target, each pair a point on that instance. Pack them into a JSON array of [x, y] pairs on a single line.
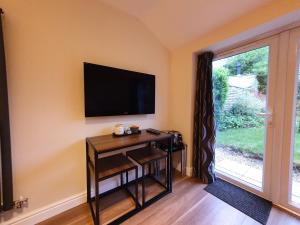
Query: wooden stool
[[145, 156], [118, 164]]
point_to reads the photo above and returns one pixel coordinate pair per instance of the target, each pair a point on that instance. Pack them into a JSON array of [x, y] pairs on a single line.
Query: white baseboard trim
[[189, 171], [46, 212]]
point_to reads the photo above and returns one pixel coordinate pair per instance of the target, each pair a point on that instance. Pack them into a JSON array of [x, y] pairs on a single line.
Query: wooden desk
[[95, 146]]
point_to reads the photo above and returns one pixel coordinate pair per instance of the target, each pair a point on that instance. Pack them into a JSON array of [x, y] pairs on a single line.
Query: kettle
[[119, 129]]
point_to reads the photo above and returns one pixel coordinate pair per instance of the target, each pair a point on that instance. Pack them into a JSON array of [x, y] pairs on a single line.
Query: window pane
[[240, 93], [296, 152]]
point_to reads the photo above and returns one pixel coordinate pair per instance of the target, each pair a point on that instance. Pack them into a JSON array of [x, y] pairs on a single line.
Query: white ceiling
[[176, 22]]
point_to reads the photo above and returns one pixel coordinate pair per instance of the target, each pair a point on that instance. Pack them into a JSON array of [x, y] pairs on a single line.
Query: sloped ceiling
[[176, 22]]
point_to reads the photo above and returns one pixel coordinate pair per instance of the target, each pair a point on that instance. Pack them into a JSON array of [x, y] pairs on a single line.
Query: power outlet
[[21, 203]]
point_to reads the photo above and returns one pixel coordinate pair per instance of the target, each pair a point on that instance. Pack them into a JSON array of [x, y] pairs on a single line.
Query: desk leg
[[181, 164], [97, 219], [136, 188], [88, 174], [167, 172], [170, 164], [143, 185], [185, 157]]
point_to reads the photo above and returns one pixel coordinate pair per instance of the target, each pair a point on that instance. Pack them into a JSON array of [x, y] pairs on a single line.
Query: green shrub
[[220, 89], [262, 80], [298, 93], [242, 114], [242, 109], [229, 121], [251, 62]]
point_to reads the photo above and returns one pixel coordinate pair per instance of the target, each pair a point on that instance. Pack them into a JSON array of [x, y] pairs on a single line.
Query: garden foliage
[[220, 90], [242, 114]]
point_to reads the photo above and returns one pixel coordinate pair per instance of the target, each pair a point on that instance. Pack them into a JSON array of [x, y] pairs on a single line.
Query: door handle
[[266, 115]]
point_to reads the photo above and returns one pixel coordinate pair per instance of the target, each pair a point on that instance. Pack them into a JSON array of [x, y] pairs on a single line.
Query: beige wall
[[182, 67], [47, 42]]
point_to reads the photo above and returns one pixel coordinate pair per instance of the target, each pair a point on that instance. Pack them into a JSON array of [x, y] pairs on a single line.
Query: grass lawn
[[250, 140]]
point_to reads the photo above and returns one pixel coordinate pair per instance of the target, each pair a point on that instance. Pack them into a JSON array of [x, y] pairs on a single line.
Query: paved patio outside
[[296, 192], [241, 171], [253, 175]]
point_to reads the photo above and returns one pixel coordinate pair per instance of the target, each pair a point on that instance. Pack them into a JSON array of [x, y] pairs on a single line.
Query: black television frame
[[134, 73]]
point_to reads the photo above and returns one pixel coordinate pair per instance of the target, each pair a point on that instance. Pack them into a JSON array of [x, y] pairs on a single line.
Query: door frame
[[292, 64], [272, 42]]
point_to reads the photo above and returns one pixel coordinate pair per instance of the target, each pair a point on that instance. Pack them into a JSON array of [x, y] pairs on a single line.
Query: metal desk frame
[[92, 171]]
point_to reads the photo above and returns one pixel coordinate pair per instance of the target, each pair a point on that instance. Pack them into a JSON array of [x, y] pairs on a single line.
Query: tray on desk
[[123, 135]]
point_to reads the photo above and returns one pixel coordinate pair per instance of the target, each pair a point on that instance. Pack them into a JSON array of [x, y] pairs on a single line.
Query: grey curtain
[[204, 125]]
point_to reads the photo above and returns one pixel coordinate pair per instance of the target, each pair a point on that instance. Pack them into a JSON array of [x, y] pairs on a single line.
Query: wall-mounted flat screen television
[[110, 91]]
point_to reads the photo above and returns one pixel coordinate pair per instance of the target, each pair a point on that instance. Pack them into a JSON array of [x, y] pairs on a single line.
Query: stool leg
[[156, 168], [97, 198], [150, 168], [169, 169], [166, 171], [126, 177], [143, 184], [121, 179], [136, 187]]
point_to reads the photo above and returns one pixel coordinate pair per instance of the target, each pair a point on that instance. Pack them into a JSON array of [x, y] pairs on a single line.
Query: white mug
[[119, 129]]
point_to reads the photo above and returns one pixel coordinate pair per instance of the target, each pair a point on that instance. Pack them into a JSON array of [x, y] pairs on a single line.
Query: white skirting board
[[189, 171], [48, 211]]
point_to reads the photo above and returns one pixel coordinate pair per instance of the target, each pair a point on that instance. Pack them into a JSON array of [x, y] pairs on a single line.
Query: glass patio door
[[243, 87], [290, 190]]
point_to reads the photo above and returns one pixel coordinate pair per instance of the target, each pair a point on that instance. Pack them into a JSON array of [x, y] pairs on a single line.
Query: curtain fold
[[204, 125]]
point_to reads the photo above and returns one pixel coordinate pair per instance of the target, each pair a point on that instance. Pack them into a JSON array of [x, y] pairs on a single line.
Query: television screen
[[110, 91]]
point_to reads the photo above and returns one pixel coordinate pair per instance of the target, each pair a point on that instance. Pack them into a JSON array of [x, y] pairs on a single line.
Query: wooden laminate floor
[[189, 204]]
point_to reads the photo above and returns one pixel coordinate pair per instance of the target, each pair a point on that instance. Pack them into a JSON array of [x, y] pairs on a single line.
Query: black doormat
[[244, 201]]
